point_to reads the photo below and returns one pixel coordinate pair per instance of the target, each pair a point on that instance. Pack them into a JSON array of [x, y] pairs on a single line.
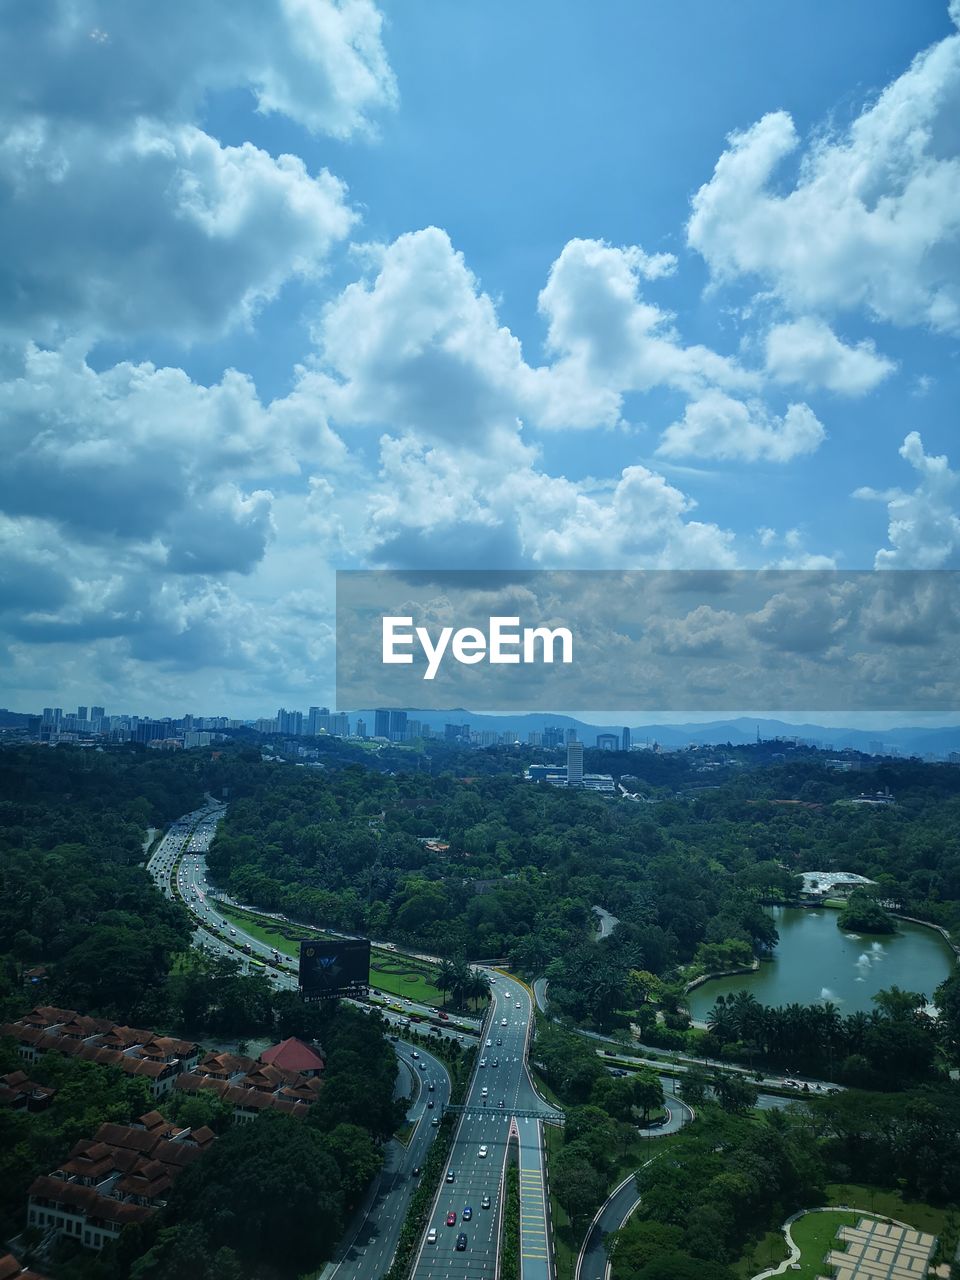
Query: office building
[[398, 726], [574, 764], [607, 741], [381, 723], [625, 739], [361, 728]]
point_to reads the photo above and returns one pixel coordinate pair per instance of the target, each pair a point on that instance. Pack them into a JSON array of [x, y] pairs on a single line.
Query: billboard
[[333, 967]]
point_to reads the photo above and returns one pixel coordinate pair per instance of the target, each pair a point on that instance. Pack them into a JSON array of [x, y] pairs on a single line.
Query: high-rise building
[[381, 723], [361, 728], [574, 764], [48, 715], [607, 741], [625, 739], [81, 713], [398, 726], [571, 735], [97, 713]]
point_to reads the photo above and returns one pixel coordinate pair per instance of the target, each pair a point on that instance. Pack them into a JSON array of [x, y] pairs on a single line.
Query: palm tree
[[460, 979], [478, 986], [445, 979]]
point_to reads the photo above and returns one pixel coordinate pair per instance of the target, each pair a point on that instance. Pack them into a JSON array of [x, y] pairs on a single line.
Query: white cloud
[[873, 219], [607, 339], [176, 234], [923, 528], [320, 62], [808, 352], [718, 426]]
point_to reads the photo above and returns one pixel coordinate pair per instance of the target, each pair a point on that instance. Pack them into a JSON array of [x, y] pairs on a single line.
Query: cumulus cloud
[[176, 234], [718, 426], [807, 352], [608, 339], [923, 528], [320, 62], [120, 215], [873, 219]]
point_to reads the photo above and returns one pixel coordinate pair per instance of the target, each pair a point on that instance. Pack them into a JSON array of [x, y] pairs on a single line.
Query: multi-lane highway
[[498, 1104], [371, 1240]]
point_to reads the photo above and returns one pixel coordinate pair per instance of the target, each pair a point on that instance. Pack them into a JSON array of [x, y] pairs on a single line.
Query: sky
[[300, 286]]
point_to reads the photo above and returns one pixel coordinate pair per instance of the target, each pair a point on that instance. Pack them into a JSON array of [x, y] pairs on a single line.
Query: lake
[[817, 961]]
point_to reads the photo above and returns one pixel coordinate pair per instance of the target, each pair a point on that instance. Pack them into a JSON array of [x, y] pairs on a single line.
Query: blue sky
[[307, 285]]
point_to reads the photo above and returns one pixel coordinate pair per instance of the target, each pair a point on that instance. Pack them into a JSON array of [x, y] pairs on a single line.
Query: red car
[[444, 1016], [451, 1219]]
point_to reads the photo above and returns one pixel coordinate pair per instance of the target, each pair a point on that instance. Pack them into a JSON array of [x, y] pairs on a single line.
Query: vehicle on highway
[[450, 1175], [233, 933], [485, 1202], [489, 1042], [451, 1219], [430, 1086], [467, 1213], [414, 1054], [518, 1004], [483, 1062], [422, 1066], [435, 1122], [502, 1102], [429, 1104], [483, 1150], [503, 1022], [499, 1040], [495, 1062], [432, 1236], [484, 1091], [416, 1171], [461, 1242]]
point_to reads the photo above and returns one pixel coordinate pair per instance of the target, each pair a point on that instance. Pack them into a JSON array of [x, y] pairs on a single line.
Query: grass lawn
[[890, 1204], [768, 1252], [815, 1235], [389, 971]]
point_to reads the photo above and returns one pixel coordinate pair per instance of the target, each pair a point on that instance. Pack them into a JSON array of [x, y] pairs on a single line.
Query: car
[[485, 1202], [432, 1236], [502, 1103], [503, 1022], [422, 1066], [499, 1040], [450, 1175], [484, 1091], [518, 1004], [461, 1242], [483, 1062], [489, 1043], [233, 933], [414, 1054], [451, 1219], [430, 1086], [483, 1150], [435, 1122], [429, 1104], [416, 1171], [467, 1213], [495, 1062]]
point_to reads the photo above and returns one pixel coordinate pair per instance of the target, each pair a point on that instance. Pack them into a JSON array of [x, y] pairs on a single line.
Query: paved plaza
[[881, 1251]]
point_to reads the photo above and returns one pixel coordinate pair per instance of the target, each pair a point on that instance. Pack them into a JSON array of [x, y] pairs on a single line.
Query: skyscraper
[[574, 764], [81, 713], [398, 726], [381, 723], [625, 739]]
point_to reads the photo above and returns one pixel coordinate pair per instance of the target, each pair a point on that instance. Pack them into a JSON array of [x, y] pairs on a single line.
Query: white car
[[518, 1004], [482, 1152], [432, 1236], [488, 1044], [484, 1091], [483, 1062], [503, 1022]]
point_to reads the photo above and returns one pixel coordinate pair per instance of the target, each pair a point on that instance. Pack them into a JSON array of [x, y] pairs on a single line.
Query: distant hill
[[918, 740]]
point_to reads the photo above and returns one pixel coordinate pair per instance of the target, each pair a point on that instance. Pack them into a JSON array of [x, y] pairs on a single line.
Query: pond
[[817, 961]]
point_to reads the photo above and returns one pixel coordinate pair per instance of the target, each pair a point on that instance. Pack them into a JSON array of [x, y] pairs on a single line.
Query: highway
[[478, 1156], [371, 1239]]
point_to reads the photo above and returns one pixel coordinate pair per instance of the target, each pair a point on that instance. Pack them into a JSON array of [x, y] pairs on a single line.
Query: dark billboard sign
[[330, 967]]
